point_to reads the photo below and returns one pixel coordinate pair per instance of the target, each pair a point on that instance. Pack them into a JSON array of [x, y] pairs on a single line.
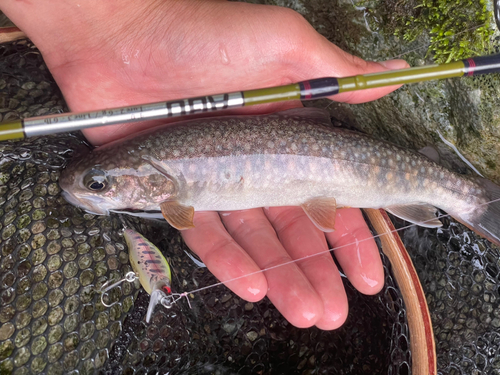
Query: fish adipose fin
[[420, 214], [487, 222], [177, 215], [322, 212]]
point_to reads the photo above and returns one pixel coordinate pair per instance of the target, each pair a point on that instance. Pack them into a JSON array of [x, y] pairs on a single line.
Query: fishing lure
[[152, 270]]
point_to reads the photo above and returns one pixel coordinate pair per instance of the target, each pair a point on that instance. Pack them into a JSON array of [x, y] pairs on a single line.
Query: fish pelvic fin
[[177, 215], [487, 222], [420, 214], [321, 211]]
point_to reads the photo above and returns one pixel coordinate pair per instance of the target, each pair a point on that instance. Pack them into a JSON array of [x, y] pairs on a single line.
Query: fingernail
[[394, 64]]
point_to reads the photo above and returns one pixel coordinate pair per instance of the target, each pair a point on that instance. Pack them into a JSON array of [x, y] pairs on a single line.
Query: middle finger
[[302, 239], [288, 288]]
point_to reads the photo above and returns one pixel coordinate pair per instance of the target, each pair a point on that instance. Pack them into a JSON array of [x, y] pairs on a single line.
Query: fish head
[[100, 184]]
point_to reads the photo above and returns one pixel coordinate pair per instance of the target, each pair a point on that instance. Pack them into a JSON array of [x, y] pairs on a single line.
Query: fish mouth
[[91, 204]]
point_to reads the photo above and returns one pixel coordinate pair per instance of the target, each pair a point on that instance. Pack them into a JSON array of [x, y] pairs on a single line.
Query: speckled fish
[[151, 267], [291, 158]]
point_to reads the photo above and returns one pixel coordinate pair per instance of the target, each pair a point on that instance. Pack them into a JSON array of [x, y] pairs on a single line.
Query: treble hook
[[130, 277]]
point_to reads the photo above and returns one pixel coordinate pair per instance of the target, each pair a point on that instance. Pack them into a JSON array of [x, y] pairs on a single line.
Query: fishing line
[[320, 253]]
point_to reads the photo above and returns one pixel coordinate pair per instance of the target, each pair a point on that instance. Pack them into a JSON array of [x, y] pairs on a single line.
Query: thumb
[[362, 96], [338, 63]]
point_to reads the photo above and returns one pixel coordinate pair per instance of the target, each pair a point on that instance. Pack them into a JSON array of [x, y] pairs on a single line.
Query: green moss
[[491, 164], [458, 29]]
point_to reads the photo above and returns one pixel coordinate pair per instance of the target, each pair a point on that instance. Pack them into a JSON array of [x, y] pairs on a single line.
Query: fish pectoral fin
[[177, 215], [420, 214], [322, 212]]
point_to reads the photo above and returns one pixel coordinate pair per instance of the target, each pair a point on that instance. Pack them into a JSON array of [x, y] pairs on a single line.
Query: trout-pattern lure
[[152, 270]]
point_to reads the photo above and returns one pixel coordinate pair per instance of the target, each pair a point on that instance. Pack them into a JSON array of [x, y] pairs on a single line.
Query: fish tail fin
[[486, 218], [157, 296]]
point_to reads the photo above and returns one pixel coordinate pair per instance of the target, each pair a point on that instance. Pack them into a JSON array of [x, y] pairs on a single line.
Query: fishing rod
[[305, 90]]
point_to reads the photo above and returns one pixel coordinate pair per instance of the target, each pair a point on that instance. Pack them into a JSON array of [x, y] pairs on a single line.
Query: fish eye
[[95, 180], [97, 185]]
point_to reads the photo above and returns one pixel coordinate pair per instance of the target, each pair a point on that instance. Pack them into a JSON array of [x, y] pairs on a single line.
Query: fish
[[151, 268], [290, 158]]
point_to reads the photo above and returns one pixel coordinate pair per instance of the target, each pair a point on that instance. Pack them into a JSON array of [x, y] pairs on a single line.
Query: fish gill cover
[[54, 258]]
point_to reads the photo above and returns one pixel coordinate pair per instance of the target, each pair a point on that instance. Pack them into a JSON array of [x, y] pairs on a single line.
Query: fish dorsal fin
[[308, 113], [322, 212], [177, 215], [420, 214]]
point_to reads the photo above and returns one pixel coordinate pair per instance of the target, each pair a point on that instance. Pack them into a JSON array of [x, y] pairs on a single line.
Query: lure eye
[[95, 180]]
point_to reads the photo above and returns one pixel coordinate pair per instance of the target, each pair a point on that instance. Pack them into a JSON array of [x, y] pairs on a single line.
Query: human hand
[[109, 54]]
